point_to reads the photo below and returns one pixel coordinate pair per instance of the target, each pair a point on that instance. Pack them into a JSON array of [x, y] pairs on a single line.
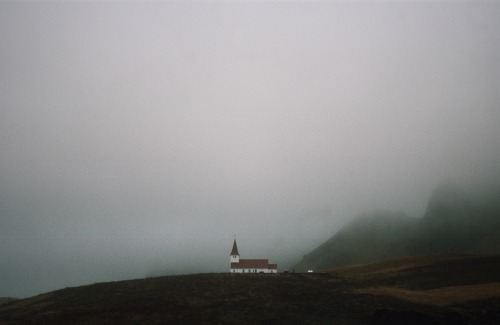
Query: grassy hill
[[455, 222], [424, 290], [369, 238]]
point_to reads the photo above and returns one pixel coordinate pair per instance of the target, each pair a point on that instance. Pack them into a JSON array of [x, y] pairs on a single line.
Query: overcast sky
[[136, 138]]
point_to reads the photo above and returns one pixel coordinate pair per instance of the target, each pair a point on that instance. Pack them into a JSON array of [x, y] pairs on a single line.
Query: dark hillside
[[6, 299], [432, 290], [195, 299], [467, 284]]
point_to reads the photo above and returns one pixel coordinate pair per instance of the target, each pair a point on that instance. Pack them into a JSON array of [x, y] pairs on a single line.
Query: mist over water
[[137, 139]]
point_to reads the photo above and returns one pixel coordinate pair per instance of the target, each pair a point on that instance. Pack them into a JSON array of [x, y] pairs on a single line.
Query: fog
[[137, 138]]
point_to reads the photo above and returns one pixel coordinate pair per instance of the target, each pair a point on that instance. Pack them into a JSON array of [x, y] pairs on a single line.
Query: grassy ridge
[[439, 280], [6, 299], [424, 273], [391, 292], [438, 297], [190, 299]]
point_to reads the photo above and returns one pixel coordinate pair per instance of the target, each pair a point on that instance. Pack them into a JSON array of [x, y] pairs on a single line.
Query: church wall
[[254, 271]]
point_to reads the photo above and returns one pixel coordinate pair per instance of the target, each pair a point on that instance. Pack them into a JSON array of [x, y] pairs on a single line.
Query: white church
[[249, 266]]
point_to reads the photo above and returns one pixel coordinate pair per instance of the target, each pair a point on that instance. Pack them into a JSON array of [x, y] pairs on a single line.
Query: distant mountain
[[455, 222], [458, 222]]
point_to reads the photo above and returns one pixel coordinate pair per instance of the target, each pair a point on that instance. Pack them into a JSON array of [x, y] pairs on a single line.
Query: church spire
[[234, 251]]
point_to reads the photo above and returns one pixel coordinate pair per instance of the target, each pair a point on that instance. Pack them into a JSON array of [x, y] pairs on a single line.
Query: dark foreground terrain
[[418, 290], [4, 300]]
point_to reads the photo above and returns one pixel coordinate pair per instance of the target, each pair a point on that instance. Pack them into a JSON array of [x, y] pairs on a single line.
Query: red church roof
[[252, 264]]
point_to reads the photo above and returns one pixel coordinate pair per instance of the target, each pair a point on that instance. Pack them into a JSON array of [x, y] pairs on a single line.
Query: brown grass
[[393, 265], [36, 301], [437, 297]]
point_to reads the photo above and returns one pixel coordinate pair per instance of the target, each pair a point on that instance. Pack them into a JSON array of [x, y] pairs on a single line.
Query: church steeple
[[234, 256]]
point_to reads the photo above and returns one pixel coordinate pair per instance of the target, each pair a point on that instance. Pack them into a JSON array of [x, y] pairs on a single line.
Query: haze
[[136, 138]]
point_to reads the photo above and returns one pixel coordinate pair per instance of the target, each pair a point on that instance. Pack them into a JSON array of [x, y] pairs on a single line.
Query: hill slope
[[6, 299], [454, 222], [356, 295], [457, 222], [369, 238]]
